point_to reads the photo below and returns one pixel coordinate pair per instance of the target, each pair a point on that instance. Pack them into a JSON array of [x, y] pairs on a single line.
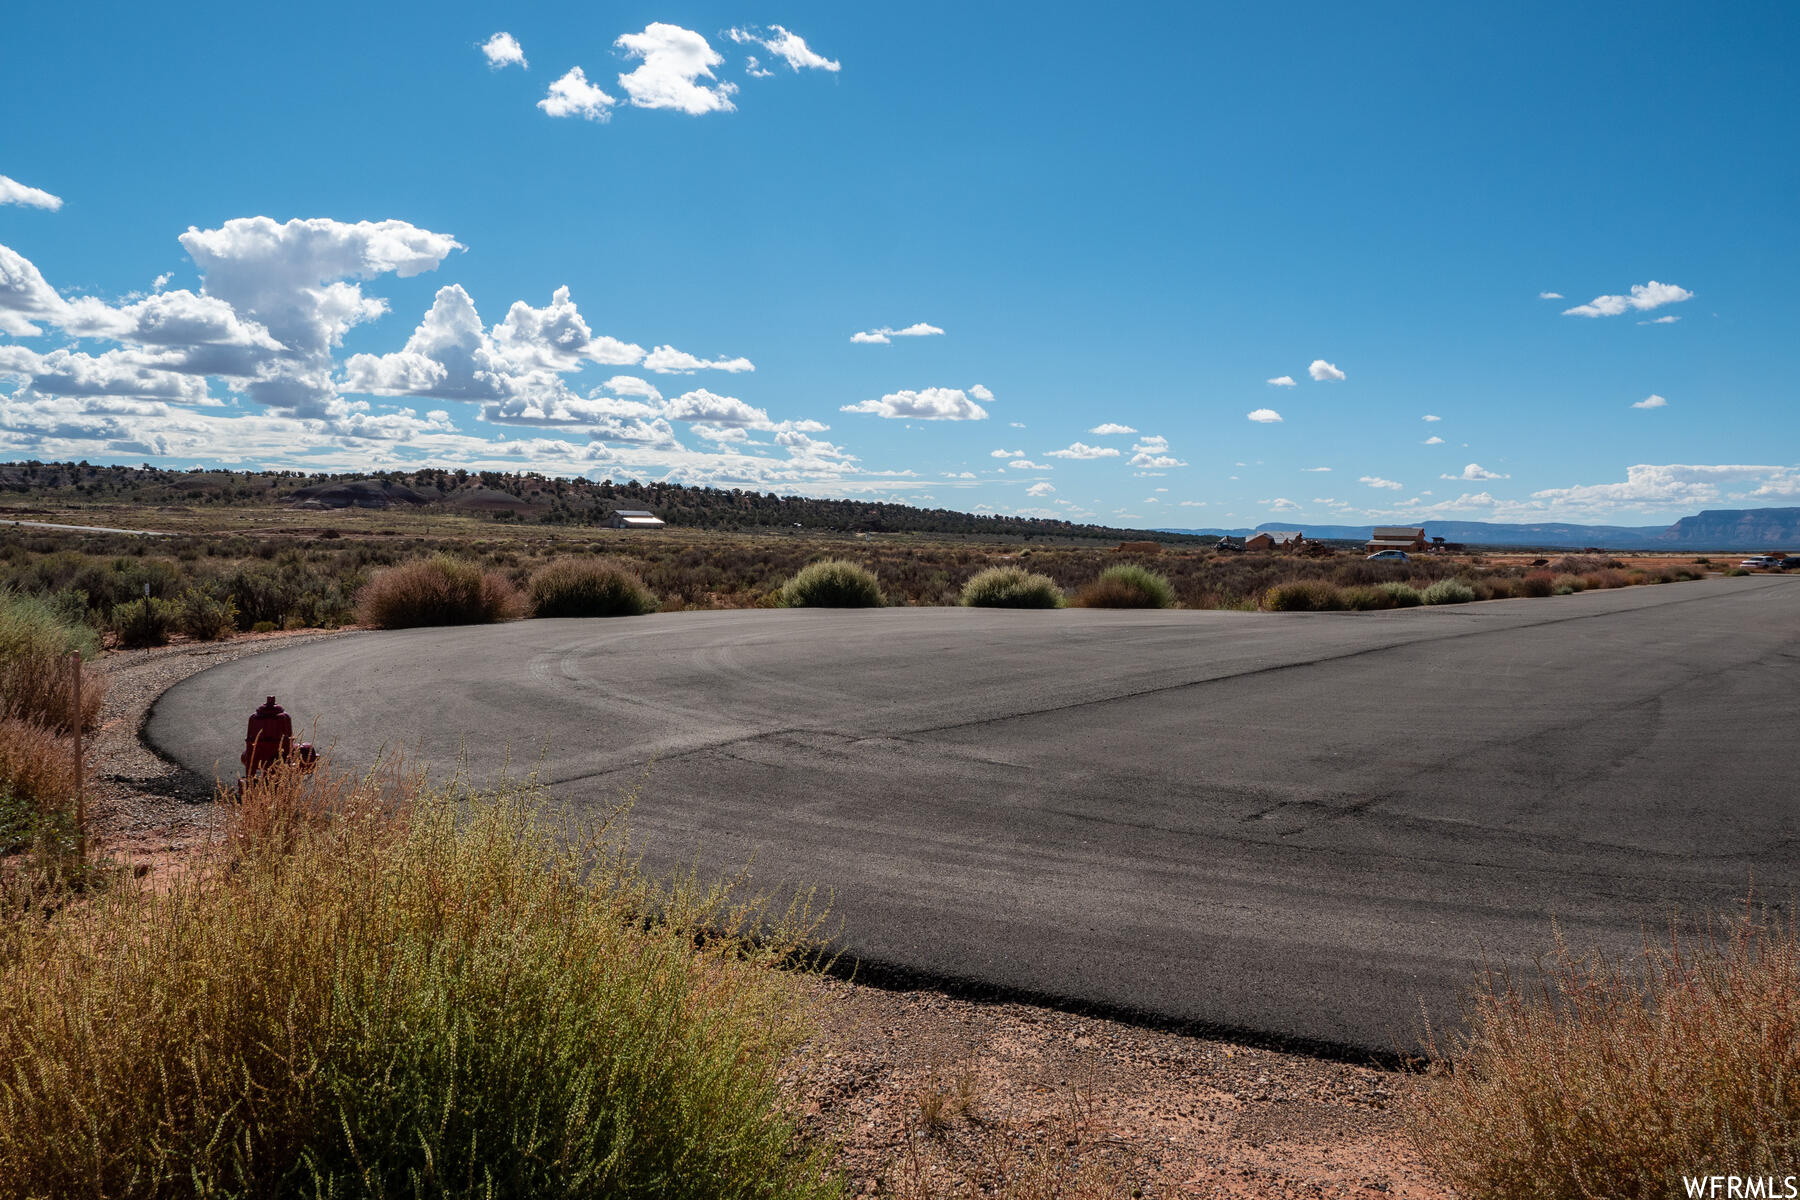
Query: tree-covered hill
[[528, 497]]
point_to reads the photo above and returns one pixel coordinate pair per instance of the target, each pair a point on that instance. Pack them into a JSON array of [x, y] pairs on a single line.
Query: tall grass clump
[[835, 583], [1127, 585], [37, 783], [585, 587], [1304, 595], [385, 990], [1568, 585], [441, 590], [35, 683], [1011, 587], [1448, 591], [1607, 1078]]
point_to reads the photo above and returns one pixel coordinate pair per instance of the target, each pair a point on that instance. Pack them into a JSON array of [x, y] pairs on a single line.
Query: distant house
[[633, 518], [1397, 537], [1229, 543], [1275, 539]]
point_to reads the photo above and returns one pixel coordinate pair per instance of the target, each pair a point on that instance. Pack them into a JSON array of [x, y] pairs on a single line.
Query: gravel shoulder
[[926, 1095]]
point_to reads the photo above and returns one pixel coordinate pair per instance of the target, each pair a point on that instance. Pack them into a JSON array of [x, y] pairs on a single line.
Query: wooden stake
[[80, 797]]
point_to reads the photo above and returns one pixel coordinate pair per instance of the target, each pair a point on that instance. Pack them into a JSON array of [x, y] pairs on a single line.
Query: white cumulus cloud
[[1643, 296], [790, 48], [503, 50], [1431, 417], [1322, 371], [667, 360], [1006, 454], [1083, 450], [14, 192], [1651, 401], [882, 336], [574, 96], [1433, 440], [926, 404], [1040, 489], [674, 60], [1263, 416], [1376, 481], [1111, 428], [1475, 471], [1550, 295], [1283, 381]]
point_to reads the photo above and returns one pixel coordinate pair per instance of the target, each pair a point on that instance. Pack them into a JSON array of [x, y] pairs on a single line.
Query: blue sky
[[336, 239]]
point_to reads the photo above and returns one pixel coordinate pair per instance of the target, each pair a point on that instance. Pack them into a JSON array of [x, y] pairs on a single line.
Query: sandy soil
[[922, 1094]]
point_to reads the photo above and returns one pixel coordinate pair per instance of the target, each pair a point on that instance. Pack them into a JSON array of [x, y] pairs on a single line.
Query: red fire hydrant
[[270, 739]]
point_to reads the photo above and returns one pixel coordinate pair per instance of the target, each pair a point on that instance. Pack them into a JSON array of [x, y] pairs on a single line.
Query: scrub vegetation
[[585, 587], [37, 713], [1608, 1078], [1011, 587], [1127, 585], [834, 583], [376, 988], [236, 562]]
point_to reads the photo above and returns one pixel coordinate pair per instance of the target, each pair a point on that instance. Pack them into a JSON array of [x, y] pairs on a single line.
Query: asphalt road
[[1299, 826]]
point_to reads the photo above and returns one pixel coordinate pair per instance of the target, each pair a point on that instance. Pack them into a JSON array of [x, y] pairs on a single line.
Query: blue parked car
[[1388, 556]]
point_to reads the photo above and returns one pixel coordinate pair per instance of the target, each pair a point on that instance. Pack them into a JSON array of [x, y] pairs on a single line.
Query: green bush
[[1367, 599], [1738, 571], [585, 587], [206, 618], [1304, 595], [1405, 594], [144, 622], [35, 644], [1011, 587], [1568, 585], [834, 583], [440, 590], [462, 998], [1449, 591], [1127, 585]]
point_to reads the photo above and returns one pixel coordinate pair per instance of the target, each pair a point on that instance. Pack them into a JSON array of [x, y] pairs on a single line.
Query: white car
[[1761, 560]]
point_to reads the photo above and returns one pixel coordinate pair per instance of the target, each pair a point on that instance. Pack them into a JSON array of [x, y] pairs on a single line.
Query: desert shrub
[[1608, 578], [264, 627], [438, 591], [37, 780], [460, 1002], [1616, 1078], [1365, 599], [585, 587], [1537, 583], [1495, 587], [35, 684], [1449, 591], [834, 583], [1303, 595], [1405, 594], [1738, 571], [1011, 587], [144, 622], [1127, 585], [206, 618], [1567, 585]]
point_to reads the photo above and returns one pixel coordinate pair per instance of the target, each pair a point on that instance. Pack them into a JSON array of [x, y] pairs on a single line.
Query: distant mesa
[[1714, 529]]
